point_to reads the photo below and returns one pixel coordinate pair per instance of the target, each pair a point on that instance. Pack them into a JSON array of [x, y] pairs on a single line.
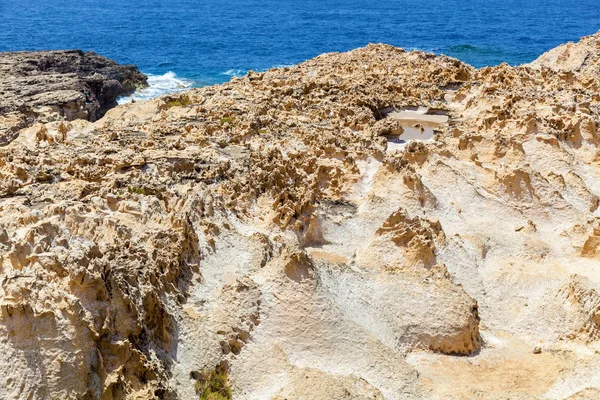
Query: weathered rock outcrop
[[48, 86], [278, 233]]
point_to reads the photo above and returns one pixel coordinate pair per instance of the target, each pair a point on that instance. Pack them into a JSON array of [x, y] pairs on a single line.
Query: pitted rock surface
[[261, 227]]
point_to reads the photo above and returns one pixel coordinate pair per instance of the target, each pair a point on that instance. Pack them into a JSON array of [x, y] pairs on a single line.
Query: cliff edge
[[46, 86]]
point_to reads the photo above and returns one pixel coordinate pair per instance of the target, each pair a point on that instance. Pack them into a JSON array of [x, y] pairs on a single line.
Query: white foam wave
[[157, 86], [235, 72], [238, 73]]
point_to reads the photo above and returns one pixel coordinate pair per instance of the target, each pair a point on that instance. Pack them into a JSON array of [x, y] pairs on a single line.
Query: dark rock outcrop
[[60, 85]]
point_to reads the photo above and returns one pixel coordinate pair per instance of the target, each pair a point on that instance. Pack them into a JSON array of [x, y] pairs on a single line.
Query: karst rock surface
[[274, 229], [45, 86]]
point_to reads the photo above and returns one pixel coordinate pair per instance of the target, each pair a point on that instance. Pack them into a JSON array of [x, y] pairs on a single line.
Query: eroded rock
[[49, 86], [262, 227]]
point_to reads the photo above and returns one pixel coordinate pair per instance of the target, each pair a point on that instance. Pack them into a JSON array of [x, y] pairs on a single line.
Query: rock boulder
[[45, 86]]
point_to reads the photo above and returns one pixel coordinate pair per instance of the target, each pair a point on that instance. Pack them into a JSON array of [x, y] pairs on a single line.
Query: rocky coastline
[[277, 237], [65, 85]]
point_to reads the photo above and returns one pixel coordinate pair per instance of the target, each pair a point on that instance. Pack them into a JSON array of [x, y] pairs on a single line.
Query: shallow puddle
[[417, 125]]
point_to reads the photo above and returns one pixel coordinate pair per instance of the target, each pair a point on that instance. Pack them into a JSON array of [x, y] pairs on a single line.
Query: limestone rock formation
[[377, 224], [49, 86]]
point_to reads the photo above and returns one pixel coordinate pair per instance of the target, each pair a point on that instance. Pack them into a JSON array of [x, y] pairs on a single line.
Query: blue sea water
[[200, 42]]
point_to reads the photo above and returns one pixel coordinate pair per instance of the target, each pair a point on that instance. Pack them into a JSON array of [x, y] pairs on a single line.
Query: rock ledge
[[47, 86]]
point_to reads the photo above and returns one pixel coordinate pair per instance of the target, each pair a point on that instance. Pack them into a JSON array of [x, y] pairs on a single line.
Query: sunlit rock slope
[[279, 233]]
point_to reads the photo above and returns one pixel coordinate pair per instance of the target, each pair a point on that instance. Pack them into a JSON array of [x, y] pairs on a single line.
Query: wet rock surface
[[260, 232]]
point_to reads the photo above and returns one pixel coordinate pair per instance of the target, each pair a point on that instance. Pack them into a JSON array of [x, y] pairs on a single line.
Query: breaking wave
[[157, 86], [237, 72]]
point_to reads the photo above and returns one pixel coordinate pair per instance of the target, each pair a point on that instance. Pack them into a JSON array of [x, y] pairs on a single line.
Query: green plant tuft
[[136, 190], [180, 102], [227, 120], [213, 385]]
